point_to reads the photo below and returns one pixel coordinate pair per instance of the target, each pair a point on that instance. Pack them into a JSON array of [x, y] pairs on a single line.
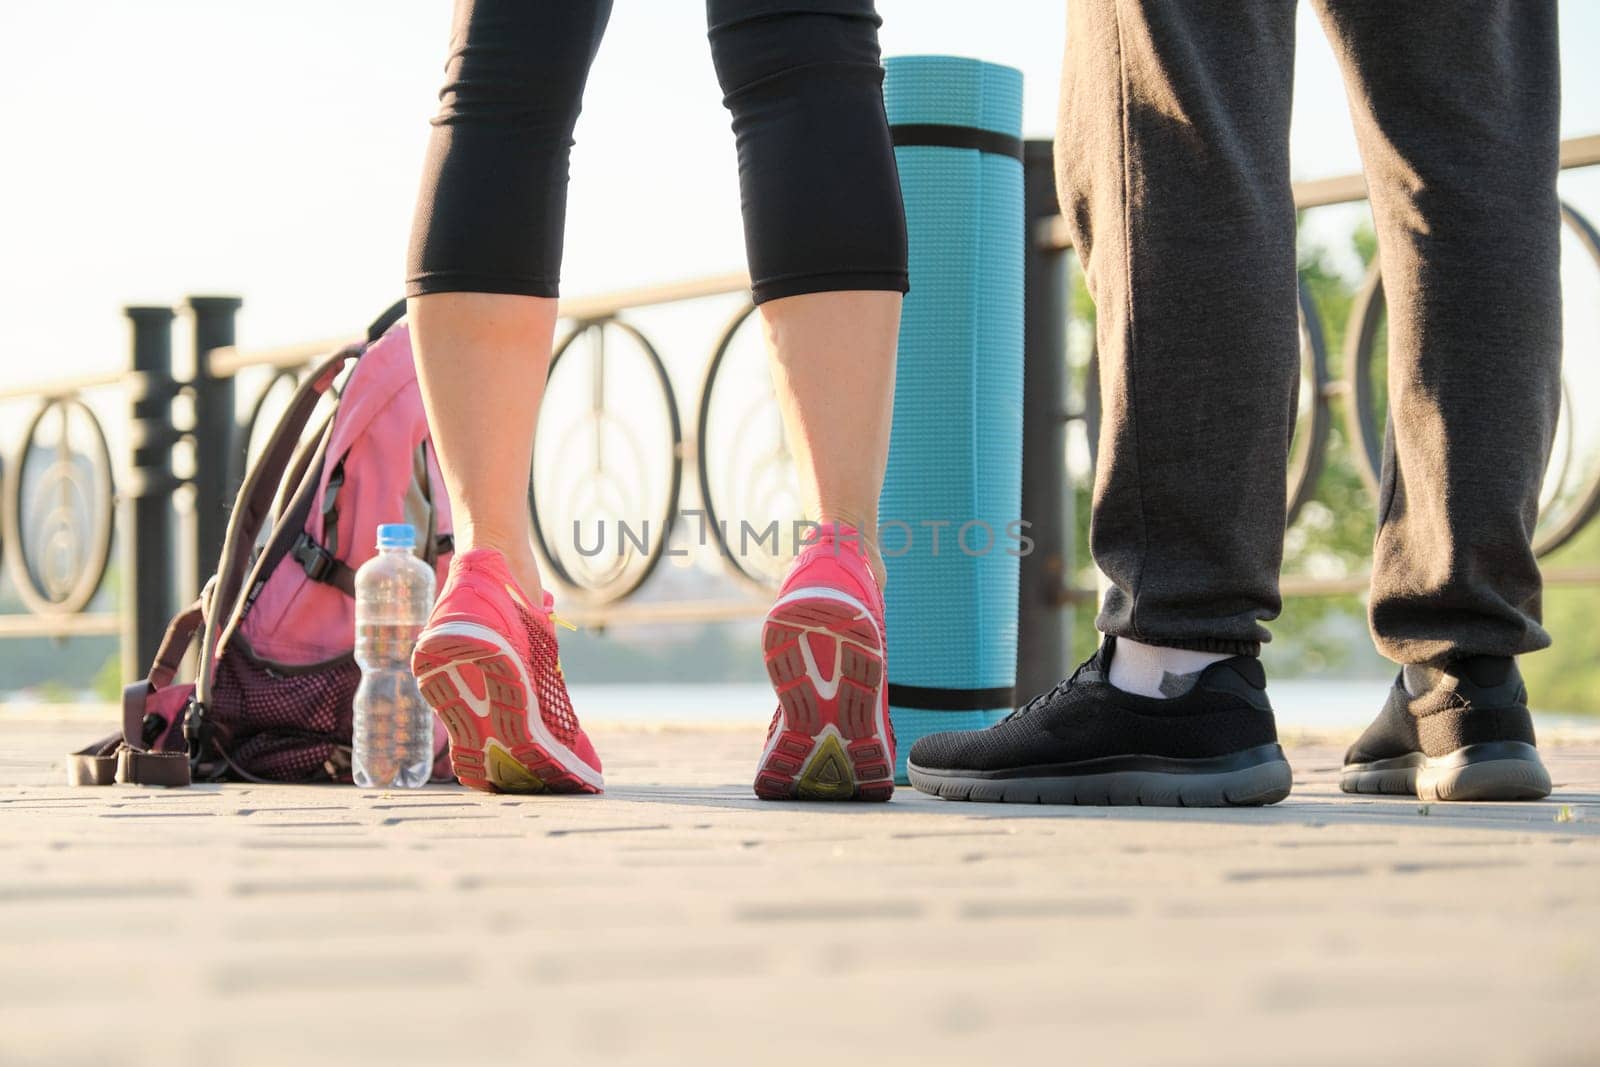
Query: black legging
[[820, 194]]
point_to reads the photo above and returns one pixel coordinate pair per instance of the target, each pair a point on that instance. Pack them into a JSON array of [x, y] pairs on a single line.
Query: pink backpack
[[276, 623]]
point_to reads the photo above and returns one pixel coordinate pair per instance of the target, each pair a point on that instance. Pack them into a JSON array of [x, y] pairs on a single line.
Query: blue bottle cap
[[397, 535]]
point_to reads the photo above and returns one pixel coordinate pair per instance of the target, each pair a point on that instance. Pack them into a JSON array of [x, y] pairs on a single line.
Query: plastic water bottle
[[393, 727]]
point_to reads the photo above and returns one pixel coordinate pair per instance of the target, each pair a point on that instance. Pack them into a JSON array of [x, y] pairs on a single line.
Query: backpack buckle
[[317, 561], [195, 729]]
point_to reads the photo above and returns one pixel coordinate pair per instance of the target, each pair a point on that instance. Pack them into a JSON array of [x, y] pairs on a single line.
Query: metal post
[[1043, 616], [147, 517], [215, 434]]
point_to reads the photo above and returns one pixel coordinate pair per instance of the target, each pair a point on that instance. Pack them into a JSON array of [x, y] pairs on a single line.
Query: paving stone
[[678, 919]]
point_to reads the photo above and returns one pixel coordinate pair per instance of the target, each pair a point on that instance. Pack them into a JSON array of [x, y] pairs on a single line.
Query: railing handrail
[[62, 387], [232, 359]]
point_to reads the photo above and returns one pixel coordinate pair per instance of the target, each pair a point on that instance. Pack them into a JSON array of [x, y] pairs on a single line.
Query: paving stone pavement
[[679, 920]]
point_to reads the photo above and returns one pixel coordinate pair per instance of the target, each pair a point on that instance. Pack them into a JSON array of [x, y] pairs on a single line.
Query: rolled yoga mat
[[955, 454]]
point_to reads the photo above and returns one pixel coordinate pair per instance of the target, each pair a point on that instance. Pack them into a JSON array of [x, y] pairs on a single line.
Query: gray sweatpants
[[1173, 170]]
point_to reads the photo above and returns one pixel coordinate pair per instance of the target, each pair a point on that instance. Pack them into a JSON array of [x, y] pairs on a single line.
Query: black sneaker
[[1468, 737], [1087, 742]]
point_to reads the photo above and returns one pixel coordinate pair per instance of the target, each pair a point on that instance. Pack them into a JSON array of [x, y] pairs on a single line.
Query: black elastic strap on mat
[[925, 698], [939, 135]]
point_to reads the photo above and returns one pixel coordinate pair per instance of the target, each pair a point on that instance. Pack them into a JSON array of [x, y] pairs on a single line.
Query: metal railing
[[62, 495]]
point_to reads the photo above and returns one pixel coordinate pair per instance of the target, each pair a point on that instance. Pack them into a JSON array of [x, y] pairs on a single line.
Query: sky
[[168, 147]]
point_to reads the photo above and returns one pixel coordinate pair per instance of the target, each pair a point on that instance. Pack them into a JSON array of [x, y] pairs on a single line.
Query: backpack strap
[[95, 765], [380, 325], [301, 465], [250, 509], [434, 543], [321, 565], [288, 531], [260, 487], [128, 757], [321, 562]]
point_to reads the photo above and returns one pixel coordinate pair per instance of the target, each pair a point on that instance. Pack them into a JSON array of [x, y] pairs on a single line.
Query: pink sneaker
[[487, 664], [826, 654]]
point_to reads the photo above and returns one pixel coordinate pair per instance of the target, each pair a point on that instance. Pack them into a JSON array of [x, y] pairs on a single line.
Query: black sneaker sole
[[1492, 770], [1243, 779]]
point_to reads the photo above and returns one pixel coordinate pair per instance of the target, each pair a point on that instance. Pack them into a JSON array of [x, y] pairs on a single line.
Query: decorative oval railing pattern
[[608, 429], [609, 497], [748, 485], [57, 511], [58, 499]]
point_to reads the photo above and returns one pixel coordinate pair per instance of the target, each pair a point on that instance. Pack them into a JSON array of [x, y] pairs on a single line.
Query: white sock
[[1152, 671]]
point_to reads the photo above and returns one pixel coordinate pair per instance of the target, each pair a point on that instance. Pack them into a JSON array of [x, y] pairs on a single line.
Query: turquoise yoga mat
[[955, 455]]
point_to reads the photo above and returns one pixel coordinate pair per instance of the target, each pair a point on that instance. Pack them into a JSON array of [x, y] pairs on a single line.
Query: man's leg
[[1173, 159], [1456, 109], [1173, 169]]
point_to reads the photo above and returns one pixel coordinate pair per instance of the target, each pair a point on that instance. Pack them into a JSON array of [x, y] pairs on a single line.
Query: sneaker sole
[[832, 743], [1492, 770], [492, 750], [1251, 778]]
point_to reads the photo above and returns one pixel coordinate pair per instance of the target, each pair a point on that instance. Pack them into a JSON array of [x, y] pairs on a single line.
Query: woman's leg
[[833, 368], [825, 235], [482, 275], [481, 361], [485, 253]]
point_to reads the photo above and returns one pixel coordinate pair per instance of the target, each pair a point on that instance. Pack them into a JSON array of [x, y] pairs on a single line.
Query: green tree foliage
[[1332, 536], [1566, 676]]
